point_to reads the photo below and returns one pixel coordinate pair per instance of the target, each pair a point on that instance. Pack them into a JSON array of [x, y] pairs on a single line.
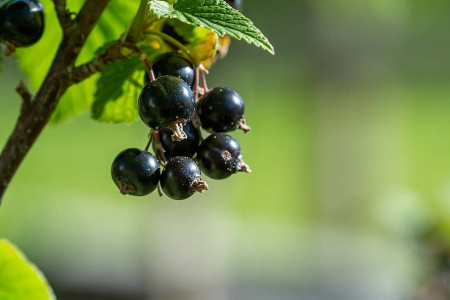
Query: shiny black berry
[[186, 147], [221, 110], [135, 172], [21, 22], [167, 103], [181, 177], [236, 4], [219, 156], [174, 64]]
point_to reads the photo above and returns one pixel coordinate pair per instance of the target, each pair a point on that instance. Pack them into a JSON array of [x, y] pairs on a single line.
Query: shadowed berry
[[135, 172], [221, 110], [186, 147], [219, 156], [173, 64], [181, 178]]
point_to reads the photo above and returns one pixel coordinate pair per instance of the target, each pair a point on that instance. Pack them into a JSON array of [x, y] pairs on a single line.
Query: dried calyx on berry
[[167, 103], [219, 156], [181, 178], [187, 147]]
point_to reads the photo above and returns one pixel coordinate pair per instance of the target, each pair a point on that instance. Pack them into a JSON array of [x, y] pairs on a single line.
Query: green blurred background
[[350, 192]]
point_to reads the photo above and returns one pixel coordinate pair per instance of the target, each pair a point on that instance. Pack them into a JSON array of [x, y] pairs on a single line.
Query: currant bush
[[177, 109]]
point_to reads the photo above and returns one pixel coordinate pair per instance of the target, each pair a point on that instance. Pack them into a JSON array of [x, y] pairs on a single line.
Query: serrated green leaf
[[215, 15], [20, 279], [36, 60]]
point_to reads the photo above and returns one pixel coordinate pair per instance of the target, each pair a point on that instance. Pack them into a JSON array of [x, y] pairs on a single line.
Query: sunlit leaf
[[20, 279], [215, 15]]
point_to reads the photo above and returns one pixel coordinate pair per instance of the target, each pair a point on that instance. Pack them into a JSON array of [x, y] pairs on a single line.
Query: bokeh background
[[350, 192]]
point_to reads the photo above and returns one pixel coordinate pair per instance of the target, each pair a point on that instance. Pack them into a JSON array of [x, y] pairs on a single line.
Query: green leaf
[[201, 42], [20, 279], [118, 89], [215, 15], [36, 60]]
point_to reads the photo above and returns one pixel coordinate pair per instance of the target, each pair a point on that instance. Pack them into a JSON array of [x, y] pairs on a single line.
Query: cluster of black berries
[[168, 105], [21, 22]]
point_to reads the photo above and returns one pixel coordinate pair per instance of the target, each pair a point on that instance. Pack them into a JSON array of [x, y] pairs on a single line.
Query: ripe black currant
[[181, 178], [21, 22], [135, 172], [174, 64], [219, 156], [221, 110], [167, 103], [186, 147], [236, 4]]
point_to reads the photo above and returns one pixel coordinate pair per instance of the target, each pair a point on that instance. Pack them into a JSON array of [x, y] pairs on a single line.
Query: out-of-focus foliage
[[20, 279], [113, 22]]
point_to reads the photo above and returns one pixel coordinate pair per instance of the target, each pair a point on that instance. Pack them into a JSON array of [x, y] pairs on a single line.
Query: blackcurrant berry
[[219, 156], [236, 4], [186, 147], [167, 103], [174, 64], [221, 110], [181, 177], [135, 172], [21, 22]]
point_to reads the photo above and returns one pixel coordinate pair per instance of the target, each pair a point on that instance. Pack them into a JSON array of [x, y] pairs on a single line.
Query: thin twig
[[195, 84], [203, 77], [31, 123], [143, 57], [64, 15], [150, 140], [26, 96], [159, 148], [172, 41]]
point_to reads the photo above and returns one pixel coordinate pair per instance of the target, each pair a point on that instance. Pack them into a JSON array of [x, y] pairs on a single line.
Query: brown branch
[[64, 15], [88, 69], [26, 96], [36, 115]]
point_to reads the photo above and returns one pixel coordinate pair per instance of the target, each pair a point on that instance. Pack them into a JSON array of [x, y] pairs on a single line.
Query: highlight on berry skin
[[21, 22]]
